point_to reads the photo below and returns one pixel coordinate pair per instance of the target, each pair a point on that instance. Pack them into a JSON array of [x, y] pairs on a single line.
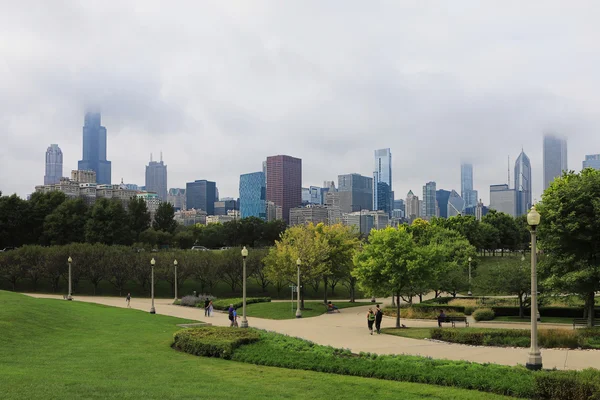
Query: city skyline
[[275, 87]]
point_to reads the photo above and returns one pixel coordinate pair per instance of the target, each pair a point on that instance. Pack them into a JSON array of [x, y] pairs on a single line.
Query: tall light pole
[[244, 320], [534, 361], [298, 311], [70, 260], [470, 292], [175, 265], [152, 262]]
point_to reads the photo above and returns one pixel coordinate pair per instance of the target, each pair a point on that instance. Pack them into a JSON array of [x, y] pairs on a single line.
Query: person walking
[[378, 318], [210, 309], [128, 300], [441, 318], [235, 323], [231, 314], [206, 304], [370, 320]]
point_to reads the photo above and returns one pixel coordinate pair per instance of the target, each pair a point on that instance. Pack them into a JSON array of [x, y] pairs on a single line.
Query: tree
[[389, 263], [139, 216], [31, 259], [569, 233], [40, 206], [14, 217], [120, 263], [108, 223], [507, 229], [66, 224], [163, 218]]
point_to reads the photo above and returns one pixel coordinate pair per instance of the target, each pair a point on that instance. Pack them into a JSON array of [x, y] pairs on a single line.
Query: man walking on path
[[378, 318], [206, 304], [128, 300]]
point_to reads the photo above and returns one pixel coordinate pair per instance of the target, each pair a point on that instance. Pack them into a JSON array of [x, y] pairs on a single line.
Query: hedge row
[[212, 341], [223, 304], [282, 351], [508, 311]]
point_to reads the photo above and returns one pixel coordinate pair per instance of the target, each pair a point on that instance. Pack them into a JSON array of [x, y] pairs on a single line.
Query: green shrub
[[412, 312], [213, 341], [483, 314], [568, 385], [469, 310], [223, 304]]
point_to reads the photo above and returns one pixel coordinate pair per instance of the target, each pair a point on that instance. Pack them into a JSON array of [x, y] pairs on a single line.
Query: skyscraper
[[284, 183], [592, 161], [201, 195], [253, 195], [429, 200], [176, 198], [54, 165], [94, 149], [413, 208], [355, 192], [523, 184], [503, 199], [456, 204], [156, 178], [555, 158], [466, 185], [442, 196], [383, 196]]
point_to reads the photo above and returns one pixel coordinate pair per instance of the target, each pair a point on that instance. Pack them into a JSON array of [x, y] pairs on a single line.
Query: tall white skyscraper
[[383, 194], [555, 157], [523, 184], [54, 165], [466, 185]]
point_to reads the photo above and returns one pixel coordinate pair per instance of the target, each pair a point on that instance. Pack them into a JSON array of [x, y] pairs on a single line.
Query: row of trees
[[53, 219]]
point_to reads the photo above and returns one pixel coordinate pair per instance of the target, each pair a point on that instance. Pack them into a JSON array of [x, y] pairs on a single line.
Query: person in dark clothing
[[378, 318], [231, 314], [206, 304], [441, 318]]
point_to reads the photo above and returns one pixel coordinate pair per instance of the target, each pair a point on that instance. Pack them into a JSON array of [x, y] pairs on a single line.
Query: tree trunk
[[393, 301], [352, 299], [420, 297], [521, 311], [590, 307], [397, 310], [325, 282], [301, 296]]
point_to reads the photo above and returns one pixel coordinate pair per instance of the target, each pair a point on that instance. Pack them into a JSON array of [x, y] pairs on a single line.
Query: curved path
[[348, 330]]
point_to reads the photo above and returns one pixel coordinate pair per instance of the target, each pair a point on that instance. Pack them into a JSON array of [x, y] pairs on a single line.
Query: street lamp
[[175, 265], [244, 320], [534, 361], [70, 260], [470, 292], [298, 311], [152, 262]]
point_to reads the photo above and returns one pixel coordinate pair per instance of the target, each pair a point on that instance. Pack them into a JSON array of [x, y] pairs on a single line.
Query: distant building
[[429, 200], [310, 214], [366, 220], [253, 194], [334, 211], [312, 195], [355, 192], [156, 178], [274, 212], [399, 205], [442, 197], [284, 182], [94, 149], [218, 219], [592, 161], [83, 176], [201, 195], [523, 184], [455, 205], [466, 185], [54, 165], [383, 195], [152, 202], [176, 198], [503, 199], [131, 186], [190, 217], [555, 158], [413, 206], [480, 210], [222, 207]]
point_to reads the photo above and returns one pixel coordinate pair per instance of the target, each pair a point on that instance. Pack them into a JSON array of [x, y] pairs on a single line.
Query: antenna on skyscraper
[[161, 156], [508, 169], [150, 157]]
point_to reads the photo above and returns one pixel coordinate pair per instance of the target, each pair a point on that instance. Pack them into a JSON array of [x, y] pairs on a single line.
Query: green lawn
[[527, 320], [58, 349], [287, 310], [413, 333]]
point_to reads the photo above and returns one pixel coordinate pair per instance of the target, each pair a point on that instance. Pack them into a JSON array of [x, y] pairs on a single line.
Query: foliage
[[139, 216], [192, 301], [213, 341], [569, 233], [223, 304], [419, 313], [483, 314], [66, 224], [108, 223], [469, 310], [163, 218], [287, 310]]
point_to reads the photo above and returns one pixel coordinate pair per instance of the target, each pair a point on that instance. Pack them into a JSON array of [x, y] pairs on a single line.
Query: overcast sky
[[220, 85]]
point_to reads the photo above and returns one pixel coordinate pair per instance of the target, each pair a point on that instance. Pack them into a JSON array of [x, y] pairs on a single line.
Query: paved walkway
[[348, 330]]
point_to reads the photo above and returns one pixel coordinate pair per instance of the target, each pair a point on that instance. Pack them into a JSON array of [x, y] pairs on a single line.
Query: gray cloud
[[219, 86]]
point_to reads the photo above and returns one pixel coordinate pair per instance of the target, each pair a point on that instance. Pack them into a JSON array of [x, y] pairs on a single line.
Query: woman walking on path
[[206, 304], [128, 300], [210, 309], [378, 318], [370, 320]]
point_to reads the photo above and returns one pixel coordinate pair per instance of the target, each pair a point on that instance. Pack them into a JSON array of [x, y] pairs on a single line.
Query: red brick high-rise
[[284, 183]]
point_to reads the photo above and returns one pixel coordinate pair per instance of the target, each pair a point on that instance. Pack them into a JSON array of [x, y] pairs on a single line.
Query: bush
[[191, 301], [213, 341], [484, 314], [419, 313], [469, 310], [223, 304], [568, 385]]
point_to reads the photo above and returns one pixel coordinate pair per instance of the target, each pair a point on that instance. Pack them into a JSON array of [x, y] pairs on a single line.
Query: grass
[[58, 349], [527, 320], [287, 310], [412, 333]]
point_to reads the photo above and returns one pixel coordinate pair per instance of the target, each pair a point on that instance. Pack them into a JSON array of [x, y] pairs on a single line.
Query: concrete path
[[348, 330]]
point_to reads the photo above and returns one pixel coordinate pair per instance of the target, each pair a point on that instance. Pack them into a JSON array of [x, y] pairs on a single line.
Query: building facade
[[156, 178], [455, 206], [413, 206], [591, 161], [253, 195], [466, 185], [284, 182], [503, 199], [274, 212], [523, 184], [442, 196], [429, 200], [383, 195], [555, 157], [83, 176], [312, 195], [201, 195], [54, 165], [190, 217], [176, 197], [314, 214], [222, 207], [355, 192], [94, 149]]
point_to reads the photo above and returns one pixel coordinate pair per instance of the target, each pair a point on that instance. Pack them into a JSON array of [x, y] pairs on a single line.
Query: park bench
[[583, 323], [454, 320]]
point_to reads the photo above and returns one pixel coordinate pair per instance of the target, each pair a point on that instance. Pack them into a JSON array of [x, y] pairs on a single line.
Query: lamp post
[[70, 260], [298, 311], [175, 265], [244, 320], [534, 361], [470, 292], [152, 262]]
